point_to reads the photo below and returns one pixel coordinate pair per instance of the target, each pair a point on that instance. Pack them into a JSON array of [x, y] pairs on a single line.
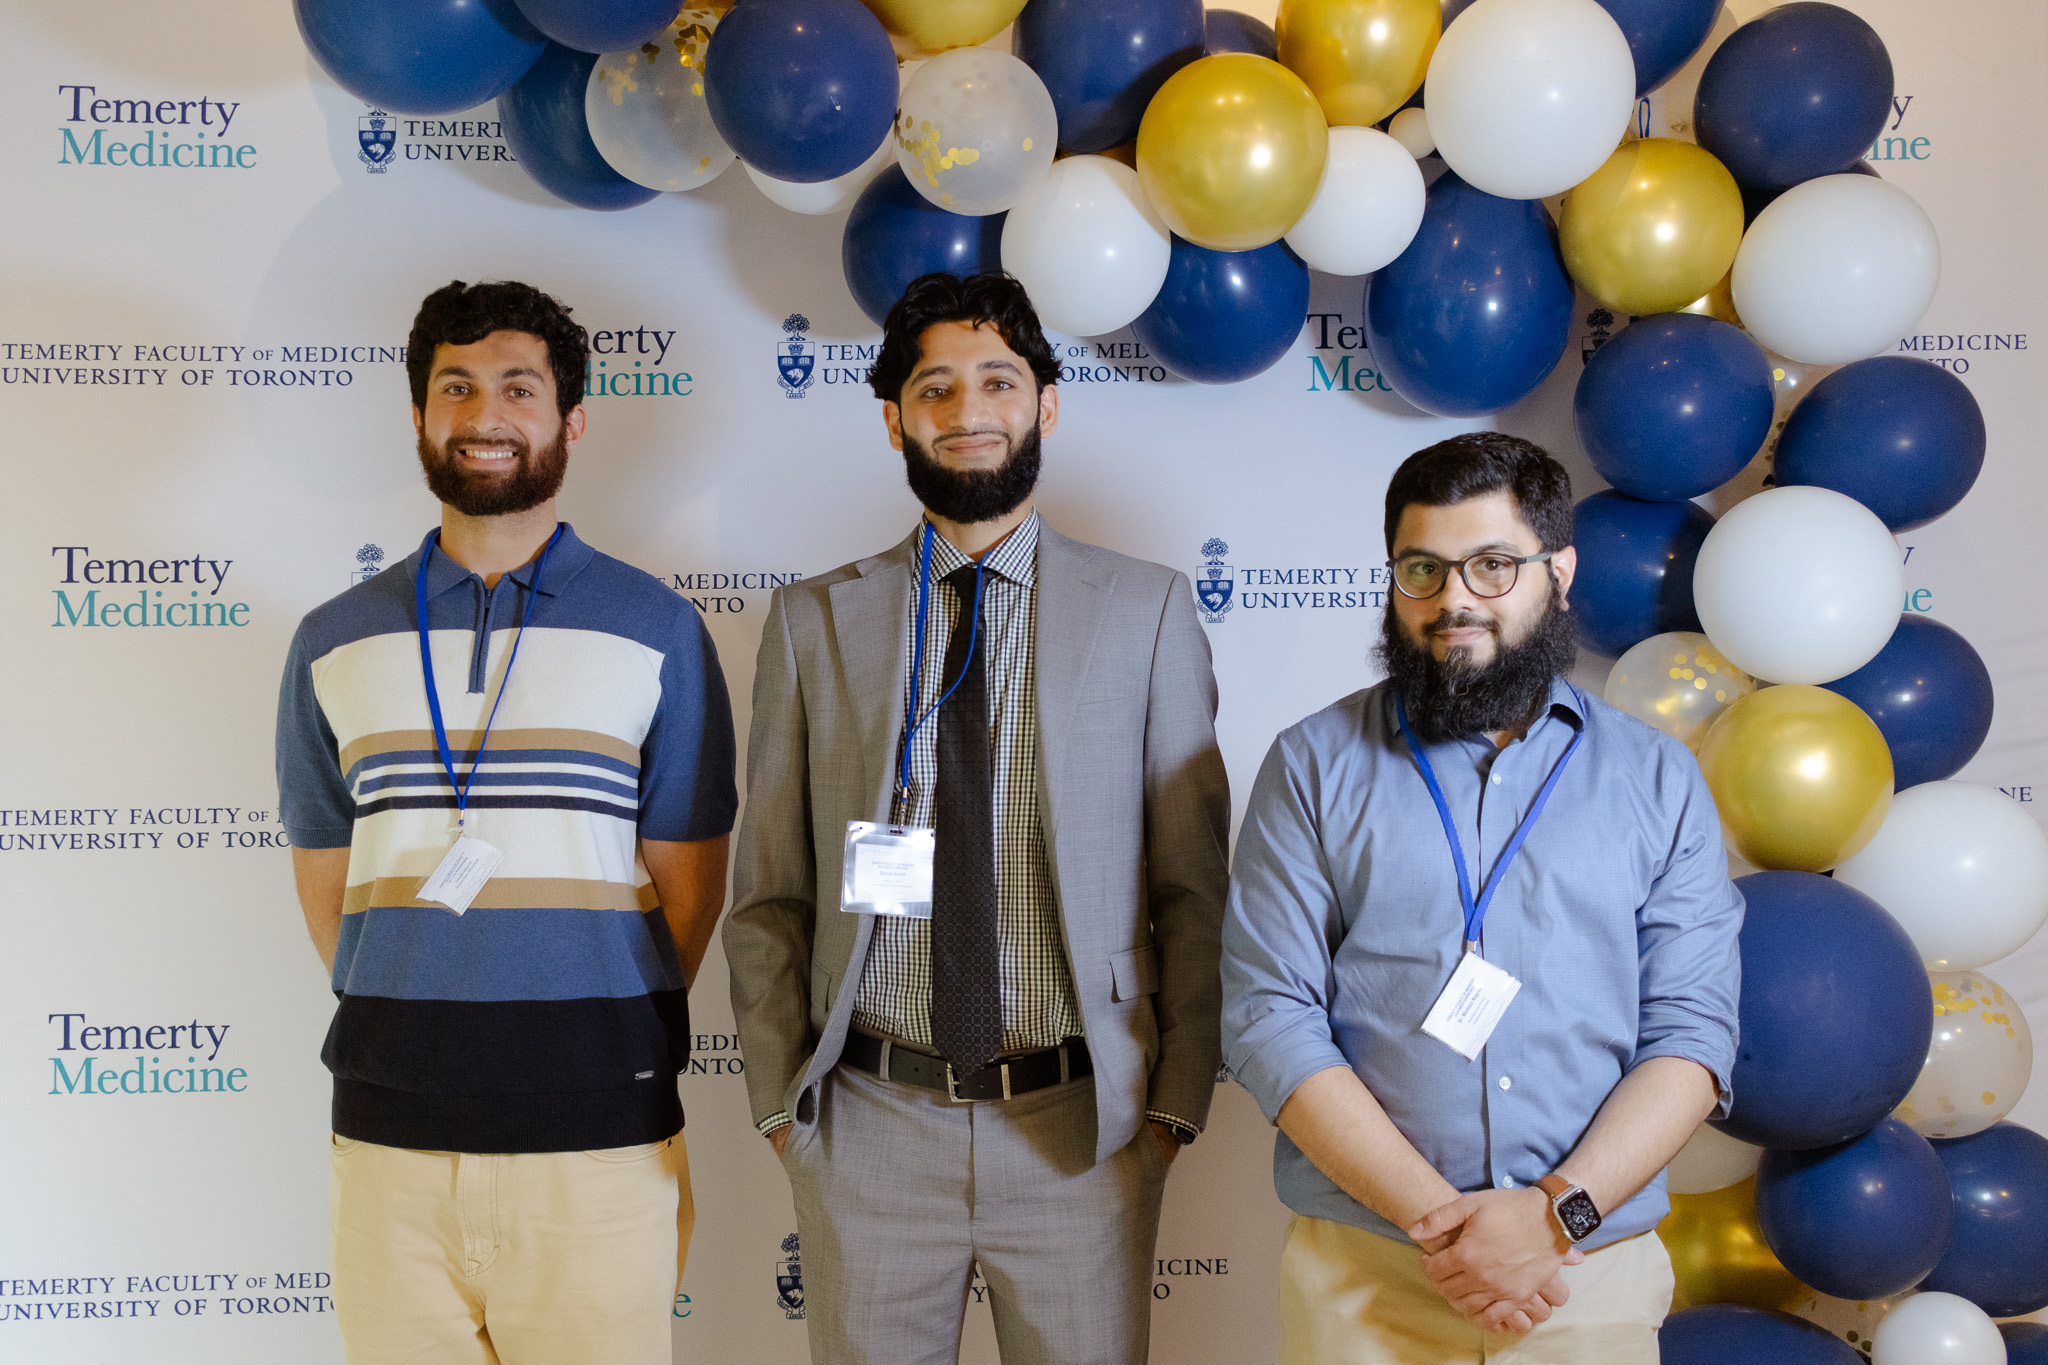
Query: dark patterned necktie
[[967, 1002]]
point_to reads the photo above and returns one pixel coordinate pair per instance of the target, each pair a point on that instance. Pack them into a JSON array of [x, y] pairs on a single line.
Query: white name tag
[[888, 870], [462, 874], [1465, 1015]]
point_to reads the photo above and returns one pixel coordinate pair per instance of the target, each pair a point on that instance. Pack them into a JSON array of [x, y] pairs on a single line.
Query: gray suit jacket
[[1132, 798]]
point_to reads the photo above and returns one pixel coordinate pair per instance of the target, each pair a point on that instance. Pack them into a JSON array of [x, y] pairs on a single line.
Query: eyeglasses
[[1487, 574]]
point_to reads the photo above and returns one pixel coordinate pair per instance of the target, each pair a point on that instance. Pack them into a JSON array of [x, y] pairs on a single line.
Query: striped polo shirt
[[551, 1016]]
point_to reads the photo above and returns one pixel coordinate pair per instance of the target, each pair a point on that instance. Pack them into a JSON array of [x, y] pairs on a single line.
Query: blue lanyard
[[427, 667], [912, 722], [1475, 910]]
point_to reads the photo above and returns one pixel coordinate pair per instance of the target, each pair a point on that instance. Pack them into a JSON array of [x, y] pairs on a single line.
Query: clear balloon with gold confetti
[[975, 131], [1977, 1064], [647, 112], [1677, 682]]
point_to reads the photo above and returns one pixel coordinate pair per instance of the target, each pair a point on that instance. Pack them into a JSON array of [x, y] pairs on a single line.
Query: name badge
[[462, 873], [888, 870], [1465, 1015]]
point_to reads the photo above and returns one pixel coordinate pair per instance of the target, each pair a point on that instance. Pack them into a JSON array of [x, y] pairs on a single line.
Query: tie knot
[[962, 580]]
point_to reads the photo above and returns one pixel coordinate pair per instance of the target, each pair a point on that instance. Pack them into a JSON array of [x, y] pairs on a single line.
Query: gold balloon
[[1677, 682], [1718, 1252], [1801, 776], [925, 28], [1717, 303], [1653, 228], [1231, 151], [1362, 58]]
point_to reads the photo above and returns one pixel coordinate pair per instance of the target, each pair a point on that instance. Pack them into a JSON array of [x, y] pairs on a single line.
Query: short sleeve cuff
[[303, 836]]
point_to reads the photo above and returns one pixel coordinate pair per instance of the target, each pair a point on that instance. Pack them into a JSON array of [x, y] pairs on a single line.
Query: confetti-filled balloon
[[647, 111], [975, 131], [1978, 1063], [1678, 683]]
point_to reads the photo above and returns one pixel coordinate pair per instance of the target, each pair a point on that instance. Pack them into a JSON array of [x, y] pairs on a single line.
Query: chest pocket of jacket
[[1134, 973]]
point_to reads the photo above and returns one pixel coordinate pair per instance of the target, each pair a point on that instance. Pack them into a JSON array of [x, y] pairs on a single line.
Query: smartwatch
[[1573, 1207]]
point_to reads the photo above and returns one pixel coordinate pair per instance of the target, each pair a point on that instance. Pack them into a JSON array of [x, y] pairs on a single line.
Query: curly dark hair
[[990, 297], [458, 314], [1481, 462]]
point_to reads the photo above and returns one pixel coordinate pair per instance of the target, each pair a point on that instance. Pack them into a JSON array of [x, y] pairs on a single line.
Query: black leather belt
[[999, 1080]]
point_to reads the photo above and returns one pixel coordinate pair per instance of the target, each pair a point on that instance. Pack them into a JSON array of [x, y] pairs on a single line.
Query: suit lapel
[[1073, 592], [867, 630]]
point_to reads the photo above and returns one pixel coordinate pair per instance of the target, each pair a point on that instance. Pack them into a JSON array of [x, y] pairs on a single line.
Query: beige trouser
[[1352, 1296], [541, 1258]]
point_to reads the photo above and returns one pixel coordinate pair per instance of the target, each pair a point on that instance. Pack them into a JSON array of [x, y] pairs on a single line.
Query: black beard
[[1455, 699], [971, 495], [533, 479]]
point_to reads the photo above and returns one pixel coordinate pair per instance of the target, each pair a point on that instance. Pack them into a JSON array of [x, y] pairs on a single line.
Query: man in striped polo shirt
[[506, 766]]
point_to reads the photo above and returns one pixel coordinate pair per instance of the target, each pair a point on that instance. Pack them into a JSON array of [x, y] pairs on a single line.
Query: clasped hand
[[1494, 1255]]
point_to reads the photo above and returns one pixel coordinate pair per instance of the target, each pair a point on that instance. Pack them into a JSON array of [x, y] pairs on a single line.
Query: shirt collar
[[568, 557], [1016, 558], [1565, 704]]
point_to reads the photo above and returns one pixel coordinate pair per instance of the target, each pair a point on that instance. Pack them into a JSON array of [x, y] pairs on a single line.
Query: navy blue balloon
[[1102, 61], [2026, 1343], [1861, 1220], [1757, 198], [1635, 568], [1229, 30], [1999, 1258], [1801, 91], [803, 90], [894, 234], [1930, 695], [1674, 406], [1902, 436], [1662, 34], [1477, 310], [1223, 316], [420, 56], [600, 25], [1730, 1334], [546, 130], [1835, 1018]]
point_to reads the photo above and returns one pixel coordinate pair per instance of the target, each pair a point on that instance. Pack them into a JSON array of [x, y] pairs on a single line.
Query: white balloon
[[1836, 269], [1526, 98], [1087, 247], [1799, 585], [1410, 128], [647, 112], [1367, 209], [1711, 1160], [1937, 1329], [826, 196], [1964, 868], [975, 130]]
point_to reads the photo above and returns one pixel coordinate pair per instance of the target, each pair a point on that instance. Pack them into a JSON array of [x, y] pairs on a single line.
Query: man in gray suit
[[979, 884]]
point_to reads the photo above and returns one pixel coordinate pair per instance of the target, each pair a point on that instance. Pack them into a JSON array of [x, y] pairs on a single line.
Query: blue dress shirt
[[1344, 925]]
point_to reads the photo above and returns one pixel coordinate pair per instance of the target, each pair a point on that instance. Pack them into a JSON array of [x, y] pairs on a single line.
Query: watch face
[[1578, 1215]]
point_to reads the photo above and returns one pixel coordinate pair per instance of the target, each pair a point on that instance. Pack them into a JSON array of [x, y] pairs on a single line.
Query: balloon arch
[[1143, 163]]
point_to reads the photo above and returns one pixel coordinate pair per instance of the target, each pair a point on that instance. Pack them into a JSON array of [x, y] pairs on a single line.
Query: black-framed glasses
[[1489, 573]]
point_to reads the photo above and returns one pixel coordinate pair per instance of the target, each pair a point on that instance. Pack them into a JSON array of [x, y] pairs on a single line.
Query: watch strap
[[1555, 1185]]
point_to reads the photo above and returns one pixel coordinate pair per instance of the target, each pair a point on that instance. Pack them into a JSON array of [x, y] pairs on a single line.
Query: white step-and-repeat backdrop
[[201, 369]]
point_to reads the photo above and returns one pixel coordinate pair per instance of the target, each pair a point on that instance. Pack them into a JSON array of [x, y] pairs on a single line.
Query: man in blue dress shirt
[[1472, 1183]]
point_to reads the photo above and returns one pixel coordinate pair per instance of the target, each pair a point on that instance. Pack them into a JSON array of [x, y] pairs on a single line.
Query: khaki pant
[[543, 1258], [1353, 1297]]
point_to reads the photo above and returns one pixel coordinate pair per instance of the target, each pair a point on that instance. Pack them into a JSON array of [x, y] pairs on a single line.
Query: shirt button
[[1507, 1182], [1496, 779], [1506, 1084]]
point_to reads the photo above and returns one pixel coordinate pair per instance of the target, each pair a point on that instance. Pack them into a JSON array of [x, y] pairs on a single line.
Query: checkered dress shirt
[[1040, 1008]]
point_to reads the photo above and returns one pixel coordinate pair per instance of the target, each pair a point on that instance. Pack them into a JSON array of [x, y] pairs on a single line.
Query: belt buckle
[[953, 1086]]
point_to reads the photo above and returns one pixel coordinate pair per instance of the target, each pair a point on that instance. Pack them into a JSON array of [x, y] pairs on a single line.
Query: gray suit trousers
[[900, 1193]]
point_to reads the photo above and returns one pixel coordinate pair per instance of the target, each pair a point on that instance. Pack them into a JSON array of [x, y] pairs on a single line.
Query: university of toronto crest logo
[[369, 560], [1215, 581], [796, 360], [377, 141], [789, 1279]]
